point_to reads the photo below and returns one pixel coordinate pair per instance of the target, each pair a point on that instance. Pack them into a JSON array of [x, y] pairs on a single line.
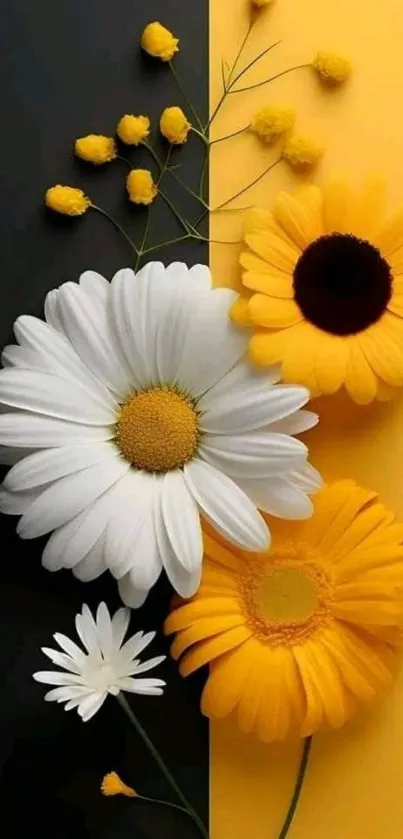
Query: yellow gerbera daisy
[[299, 636], [324, 280]]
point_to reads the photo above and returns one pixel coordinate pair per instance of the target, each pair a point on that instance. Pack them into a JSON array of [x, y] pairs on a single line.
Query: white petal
[[90, 705], [88, 330], [147, 687], [16, 503], [296, 423], [52, 677], [182, 520], [96, 286], [278, 497], [69, 647], [185, 579], [129, 594], [120, 624], [199, 275], [34, 431], [136, 644], [127, 326], [91, 529], [9, 456], [142, 562], [48, 394], [52, 313], [44, 348], [93, 564], [307, 478], [104, 629], [65, 694], [87, 631], [257, 454], [48, 465], [146, 665], [67, 497], [126, 520], [53, 554], [227, 507], [61, 660], [235, 380], [213, 345], [251, 407]]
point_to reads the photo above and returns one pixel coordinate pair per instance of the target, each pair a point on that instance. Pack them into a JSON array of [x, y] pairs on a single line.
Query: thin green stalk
[[252, 63], [154, 155], [140, 252], [229, 136], [189, 190], [162, 766], [229, 79], [165, 244], [175, 212], [271, 79], [163, 803], [297, 789], [117, 225], [124, 160], [201, 135], [185, 96], [246, 188]]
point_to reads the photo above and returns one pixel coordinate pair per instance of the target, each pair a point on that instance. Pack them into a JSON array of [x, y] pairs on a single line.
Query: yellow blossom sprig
[[96, 149], [112, 785], [331, 68]]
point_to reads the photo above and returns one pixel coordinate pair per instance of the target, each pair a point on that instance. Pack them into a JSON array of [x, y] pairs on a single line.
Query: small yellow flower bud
[[94, 148], [133, 130], [272, 121], [301, 152], [141, 187], [159, 42], [260, 4], [332, 68], [174, 126], [113, 785], [67, 200]]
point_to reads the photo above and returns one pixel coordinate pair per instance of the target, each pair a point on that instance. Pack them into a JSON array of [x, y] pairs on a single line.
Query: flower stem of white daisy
[[297, 789], [164, 769]]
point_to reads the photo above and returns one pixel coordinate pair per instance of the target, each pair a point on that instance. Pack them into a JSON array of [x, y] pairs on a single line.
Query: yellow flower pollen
[[133, 130], [157, 429], [67, 200], [95, 148], [302, 152], [331, 67], [113, 785], [159, 42], [286, 598], [174, 126], [140, 186], [272, 121]]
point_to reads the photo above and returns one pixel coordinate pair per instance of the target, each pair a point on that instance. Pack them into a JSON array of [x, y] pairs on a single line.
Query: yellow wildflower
[[301, 152], [141, 187], [272, 121], [174, 126], [133, 130], [67, 200], [159, 42], [331, 67], [95, 148], [113, 785]]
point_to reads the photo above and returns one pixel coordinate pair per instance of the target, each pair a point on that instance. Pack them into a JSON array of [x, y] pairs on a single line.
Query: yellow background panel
[[354, 785]]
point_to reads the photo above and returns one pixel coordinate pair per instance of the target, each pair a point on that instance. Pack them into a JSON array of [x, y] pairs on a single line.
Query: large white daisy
[[132, 410], [105, 665]]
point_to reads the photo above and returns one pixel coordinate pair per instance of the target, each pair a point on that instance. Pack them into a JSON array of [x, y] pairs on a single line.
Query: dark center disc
[[342, 284]]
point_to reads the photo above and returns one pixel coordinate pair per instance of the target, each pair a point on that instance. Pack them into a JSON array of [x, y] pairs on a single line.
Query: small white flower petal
[[296, 423], [185, 579], [146, 665], [90, 705], [87, 631], [151, 687], [93, 564], [61, 660], [66, 694], [104, 629], [70, 647], [67, 497], [136, 644], [250, 406], [256, 454], [227, 507], [182, 520], [120, 625], [52, 677], [130, 595], [48, 465], [279, 497], [34, 431], [307, 478]]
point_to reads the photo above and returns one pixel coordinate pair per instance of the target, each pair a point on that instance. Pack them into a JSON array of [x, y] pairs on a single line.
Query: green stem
[[229, 136], [185, 95], [117, 225], [140, 252], [154, 155], [124, 160], [175, 212], [297, 789], [271, 79], [168, 242], [229, 80], [162, 766], [163, 803], [246, 188], [189, 190], [201, 135], [252, 63]]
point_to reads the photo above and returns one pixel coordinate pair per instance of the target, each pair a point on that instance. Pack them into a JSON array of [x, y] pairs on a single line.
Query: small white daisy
[[104, 667], [131, 411]]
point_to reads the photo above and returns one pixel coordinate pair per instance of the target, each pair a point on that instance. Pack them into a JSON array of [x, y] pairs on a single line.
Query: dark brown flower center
[[342, 284]]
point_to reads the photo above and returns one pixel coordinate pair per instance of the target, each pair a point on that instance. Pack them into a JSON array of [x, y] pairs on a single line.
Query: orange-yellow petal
[[269, 347], [273, 312], [336, 203], [256, 219], [390, 237], [299, 363], [212, 648], [228, 675], [221, 553], [301, 215], [203, 628], [363, 526], [331, 363], [274, 250], [328, 505], [383, 353], [206, 607], [368, 206], [239, 312], [361, 382]]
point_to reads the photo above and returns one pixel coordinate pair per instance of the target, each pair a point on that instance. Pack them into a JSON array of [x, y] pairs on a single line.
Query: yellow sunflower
[[324, 290], [299, 636]]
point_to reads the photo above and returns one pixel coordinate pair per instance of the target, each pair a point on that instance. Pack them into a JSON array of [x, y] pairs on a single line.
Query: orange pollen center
[[157, 429], [286, 596]]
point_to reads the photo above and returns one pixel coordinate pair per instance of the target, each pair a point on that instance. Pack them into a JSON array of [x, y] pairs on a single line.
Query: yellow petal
[[355, 498], [351, 669], [214, 549], [239, 311], [300, 357], [374, 659], [385, 392], [331, 363], [203, 653], [362, 527], [273, 312], [328, 505], [383, 353], [314, 712], [273, 286], [396, 304], [280, 684], [255, 264], [338, 705], [204, 628], [300, 216], [224, 686], [390, 237], [269, 347], [368, 207], [274, 250], [395, 261], [361, 382], [258, 658], [256, 219], [336, 201], [205, 607]]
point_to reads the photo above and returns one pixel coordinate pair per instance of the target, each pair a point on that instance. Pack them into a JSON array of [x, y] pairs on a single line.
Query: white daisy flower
[[130, 412], [105, 667]]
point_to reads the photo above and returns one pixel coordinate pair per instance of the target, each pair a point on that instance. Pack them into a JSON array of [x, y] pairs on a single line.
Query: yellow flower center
[[286, 596], [158, 429]]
